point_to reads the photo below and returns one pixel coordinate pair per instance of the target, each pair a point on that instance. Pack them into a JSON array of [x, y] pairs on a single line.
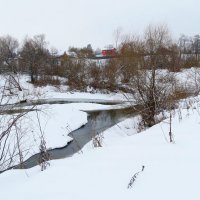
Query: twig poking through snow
[[133, 179]]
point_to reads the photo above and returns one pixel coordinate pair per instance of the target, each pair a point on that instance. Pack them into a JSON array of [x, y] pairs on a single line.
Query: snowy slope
[[171, 170]]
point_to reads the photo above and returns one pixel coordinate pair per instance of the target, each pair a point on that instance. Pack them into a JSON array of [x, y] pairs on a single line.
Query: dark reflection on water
[[98, 121]]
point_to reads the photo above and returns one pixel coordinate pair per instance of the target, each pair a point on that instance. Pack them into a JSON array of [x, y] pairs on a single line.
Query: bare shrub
[[193, 76], [179, 93], [151, 85], [47, 80], [44, 155], [95, 76], [97, 140], [76, 75], [111, 74]]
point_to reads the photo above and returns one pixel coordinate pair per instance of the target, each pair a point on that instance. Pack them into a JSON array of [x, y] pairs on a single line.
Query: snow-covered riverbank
[[171, 170], [55, 122]]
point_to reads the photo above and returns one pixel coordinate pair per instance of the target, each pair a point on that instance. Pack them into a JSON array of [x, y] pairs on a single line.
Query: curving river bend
[[98, 121]]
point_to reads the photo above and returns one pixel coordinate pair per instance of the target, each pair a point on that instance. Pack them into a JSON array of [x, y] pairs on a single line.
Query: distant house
[[109, 52], [61, 59]]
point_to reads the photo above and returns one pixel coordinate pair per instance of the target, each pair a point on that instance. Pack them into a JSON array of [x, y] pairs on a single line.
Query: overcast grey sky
[[80, 22]]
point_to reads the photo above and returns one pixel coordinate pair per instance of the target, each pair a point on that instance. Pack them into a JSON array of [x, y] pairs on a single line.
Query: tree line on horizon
[[34, 57]]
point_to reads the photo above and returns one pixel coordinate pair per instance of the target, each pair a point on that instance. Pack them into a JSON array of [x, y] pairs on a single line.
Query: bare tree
[[9, 144], [131, 54], [152, 86], [34, 56], [12, 131], [196, 47], [13, 128], [117, 36], [8, 53]]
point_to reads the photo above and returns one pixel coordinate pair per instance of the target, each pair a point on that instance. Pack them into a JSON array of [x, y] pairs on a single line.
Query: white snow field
[[171, 170]]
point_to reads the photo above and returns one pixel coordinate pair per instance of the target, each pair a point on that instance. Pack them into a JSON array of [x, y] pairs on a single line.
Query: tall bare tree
[[151, 87], [8, 54], [34, 56], [117, 36]]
